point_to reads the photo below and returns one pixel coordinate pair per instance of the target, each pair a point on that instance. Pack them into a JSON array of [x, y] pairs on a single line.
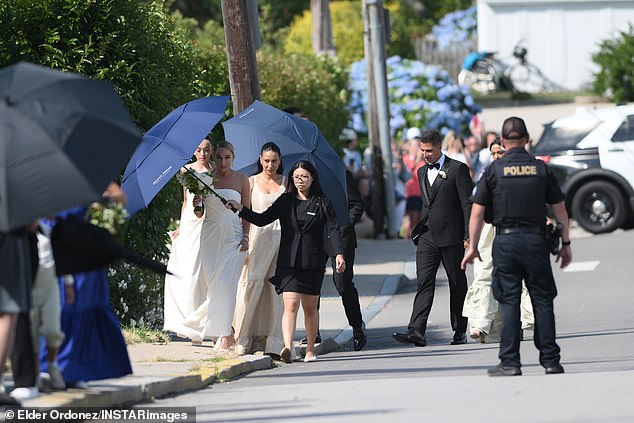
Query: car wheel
[[599, 207]]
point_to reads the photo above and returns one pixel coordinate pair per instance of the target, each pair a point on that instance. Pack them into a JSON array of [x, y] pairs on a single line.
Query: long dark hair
[[270, 146], [315, 188]]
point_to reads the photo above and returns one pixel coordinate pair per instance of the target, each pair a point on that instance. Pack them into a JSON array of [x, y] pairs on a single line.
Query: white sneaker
[[56, 378], [22, 394]]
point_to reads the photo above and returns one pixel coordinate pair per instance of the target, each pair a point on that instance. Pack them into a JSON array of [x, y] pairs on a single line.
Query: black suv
[[592, 155]]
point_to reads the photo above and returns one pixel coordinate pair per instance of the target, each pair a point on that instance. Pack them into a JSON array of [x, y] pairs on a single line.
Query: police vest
[[519, 193]]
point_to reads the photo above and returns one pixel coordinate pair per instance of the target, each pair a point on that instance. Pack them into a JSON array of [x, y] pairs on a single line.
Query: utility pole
[[243, 67], [376, 165], [376, 26], [322, 27]]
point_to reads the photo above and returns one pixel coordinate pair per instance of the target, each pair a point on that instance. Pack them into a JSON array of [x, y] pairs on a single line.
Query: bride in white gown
[[207, 256]]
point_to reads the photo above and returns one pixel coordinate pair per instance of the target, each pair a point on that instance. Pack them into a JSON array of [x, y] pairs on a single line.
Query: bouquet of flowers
[[111, 216], [198, 183]]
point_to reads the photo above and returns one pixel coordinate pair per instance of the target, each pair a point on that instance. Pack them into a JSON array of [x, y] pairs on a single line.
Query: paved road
[[443, 383]]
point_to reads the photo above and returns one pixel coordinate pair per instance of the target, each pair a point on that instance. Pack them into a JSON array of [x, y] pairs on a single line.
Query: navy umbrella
[[63, 139], [166, 147], [298, 139]]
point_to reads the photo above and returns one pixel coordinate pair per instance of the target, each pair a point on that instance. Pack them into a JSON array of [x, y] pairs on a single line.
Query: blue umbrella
[[167, 146], [298, 139]]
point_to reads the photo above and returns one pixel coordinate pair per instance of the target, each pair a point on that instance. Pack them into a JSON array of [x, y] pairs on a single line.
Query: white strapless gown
[[206, 261]]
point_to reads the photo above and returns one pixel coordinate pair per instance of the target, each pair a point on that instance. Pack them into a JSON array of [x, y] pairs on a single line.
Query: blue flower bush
[[420, 95], [455, 27]]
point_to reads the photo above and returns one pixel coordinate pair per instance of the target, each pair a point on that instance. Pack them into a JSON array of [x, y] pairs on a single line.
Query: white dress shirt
[[433, 173]]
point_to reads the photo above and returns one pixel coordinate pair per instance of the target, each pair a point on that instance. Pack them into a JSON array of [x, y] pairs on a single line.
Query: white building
[[560, 35]]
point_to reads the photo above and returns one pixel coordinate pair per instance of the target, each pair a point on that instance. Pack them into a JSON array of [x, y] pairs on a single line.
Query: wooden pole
[[376, 167], [322, 27], [243, 67]]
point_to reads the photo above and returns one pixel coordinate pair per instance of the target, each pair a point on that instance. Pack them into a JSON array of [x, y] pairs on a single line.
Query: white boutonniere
[[442, 174]]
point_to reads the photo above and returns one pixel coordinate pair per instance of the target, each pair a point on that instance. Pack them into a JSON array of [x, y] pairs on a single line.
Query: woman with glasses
[[479, 305], [304, 212]]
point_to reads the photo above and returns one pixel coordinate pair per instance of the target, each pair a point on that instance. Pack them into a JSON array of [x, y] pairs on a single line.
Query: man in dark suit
[[441, 235], [343, 281]]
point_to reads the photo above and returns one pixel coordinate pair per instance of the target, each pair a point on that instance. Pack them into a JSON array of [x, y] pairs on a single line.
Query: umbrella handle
[[220, 197]]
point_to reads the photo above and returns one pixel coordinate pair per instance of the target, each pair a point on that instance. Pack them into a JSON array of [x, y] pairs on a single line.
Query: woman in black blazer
[[304, 212]]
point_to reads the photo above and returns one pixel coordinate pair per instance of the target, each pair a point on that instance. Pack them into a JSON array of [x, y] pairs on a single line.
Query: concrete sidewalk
[[166, 369]]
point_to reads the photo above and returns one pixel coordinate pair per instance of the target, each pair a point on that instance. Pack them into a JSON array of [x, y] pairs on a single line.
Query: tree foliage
[[347, 27], [316, 85], [616, 74]]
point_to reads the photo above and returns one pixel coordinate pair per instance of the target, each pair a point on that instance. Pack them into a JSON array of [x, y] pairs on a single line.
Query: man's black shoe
[[304, 341], [501, 370], [412, 336], [459, 338], [553, 370], [359, 337]]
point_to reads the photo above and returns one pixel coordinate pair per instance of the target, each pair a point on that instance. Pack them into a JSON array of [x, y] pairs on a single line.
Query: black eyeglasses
[[301, 177]]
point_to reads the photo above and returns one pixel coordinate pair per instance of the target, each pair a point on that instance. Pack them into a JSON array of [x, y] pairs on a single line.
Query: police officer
[[516, 189]]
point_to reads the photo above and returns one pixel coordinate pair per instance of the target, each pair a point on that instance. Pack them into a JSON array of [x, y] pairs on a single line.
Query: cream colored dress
[[479, 305], [258, 315], [206, 261]]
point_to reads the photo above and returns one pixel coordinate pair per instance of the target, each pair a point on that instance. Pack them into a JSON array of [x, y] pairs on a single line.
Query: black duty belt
[[519, 230]]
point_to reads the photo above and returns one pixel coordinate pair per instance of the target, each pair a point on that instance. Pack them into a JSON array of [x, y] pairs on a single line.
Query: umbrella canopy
[[298, 139], [63, 139], [167, 146]]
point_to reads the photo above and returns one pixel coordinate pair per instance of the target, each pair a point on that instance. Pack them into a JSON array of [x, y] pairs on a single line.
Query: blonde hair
[[226, 145], [448, 140]]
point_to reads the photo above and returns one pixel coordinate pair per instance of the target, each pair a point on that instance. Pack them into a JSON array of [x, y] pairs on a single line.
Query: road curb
[[118, 392]]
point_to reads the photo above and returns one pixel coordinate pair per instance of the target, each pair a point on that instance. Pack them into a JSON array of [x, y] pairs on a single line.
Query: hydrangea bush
[[420, 95], [456, 27]]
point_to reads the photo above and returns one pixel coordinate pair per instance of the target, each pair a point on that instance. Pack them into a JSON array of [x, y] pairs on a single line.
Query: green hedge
[[317, 85], [615, 78]]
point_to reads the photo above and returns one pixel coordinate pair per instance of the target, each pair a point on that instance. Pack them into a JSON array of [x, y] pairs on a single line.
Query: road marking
[[410, 270], [582, 266]]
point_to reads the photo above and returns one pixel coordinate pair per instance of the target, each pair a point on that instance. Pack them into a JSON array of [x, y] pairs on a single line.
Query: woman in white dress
[[258, 315], [479, 305], [207, 259]]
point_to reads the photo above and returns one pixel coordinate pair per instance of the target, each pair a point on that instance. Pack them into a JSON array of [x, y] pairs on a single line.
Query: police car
[[592, 155]]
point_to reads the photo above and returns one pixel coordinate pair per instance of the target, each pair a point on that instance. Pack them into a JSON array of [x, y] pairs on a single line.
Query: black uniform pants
[[428, 259], [345, 286], [517, 257], [23, 361]]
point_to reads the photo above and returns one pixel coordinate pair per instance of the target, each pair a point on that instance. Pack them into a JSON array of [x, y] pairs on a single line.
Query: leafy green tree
[[616, 74], [276, 16], [347, 25], [316, 85], [154, 68], [199, 10]]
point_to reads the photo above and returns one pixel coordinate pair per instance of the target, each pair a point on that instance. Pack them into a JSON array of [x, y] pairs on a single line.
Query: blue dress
[[94, 347]]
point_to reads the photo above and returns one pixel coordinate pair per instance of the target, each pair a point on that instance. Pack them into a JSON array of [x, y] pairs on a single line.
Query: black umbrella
[[63, 138]]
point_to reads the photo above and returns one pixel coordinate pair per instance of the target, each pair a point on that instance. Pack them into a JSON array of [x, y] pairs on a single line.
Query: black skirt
[[303, 281]]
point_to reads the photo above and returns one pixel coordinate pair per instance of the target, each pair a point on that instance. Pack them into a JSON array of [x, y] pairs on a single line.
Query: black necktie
[[431, 166]]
